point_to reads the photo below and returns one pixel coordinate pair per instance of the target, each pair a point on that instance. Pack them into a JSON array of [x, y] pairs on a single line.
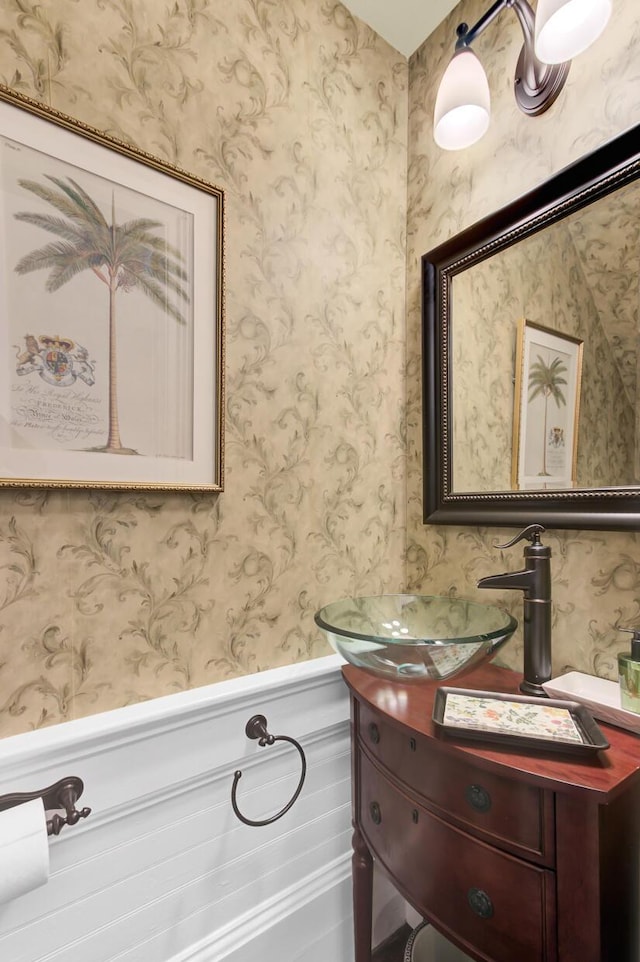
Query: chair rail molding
[[163, 871]]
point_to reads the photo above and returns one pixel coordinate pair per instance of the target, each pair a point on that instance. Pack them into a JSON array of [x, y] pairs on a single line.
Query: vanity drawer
[[503, 811], [487, 901]]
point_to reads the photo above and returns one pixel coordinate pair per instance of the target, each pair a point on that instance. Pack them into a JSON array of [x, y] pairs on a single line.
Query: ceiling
[[403, 23]]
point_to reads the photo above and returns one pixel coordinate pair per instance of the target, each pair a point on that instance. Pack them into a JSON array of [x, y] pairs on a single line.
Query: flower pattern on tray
[[485, 713]]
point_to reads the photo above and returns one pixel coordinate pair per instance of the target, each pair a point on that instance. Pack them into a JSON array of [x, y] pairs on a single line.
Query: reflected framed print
[[546, 408]]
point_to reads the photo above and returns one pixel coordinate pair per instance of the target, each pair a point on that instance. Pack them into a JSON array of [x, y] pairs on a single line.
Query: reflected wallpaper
[[541, 279], [320, 135]]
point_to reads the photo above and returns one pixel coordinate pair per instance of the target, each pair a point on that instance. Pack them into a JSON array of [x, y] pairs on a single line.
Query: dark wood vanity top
[[604, 773]]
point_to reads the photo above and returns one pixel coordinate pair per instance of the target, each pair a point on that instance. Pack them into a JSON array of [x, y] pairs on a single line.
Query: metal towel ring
[[256, 728]]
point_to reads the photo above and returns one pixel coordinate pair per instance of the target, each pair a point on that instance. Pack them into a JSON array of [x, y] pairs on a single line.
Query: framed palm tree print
[[547, 383], [112, 311]]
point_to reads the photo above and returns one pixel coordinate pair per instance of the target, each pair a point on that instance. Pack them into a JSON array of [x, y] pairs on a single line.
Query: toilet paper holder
[[62, 796]]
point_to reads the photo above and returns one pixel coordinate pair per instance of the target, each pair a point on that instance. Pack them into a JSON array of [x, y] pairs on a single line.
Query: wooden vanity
[[531, 857]]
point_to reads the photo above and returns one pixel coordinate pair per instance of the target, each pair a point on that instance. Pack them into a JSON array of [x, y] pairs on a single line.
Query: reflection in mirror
[[530, 355], [580, 277]]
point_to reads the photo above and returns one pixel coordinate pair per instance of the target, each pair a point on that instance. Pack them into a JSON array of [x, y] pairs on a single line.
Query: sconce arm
[[536, 84], [466, 34]]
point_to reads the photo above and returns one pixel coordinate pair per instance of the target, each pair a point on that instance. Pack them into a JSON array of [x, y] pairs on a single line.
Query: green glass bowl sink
[[414, 637]]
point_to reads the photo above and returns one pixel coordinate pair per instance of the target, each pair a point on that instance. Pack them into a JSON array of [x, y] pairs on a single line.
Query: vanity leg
[[578, 880], [362, 863], [598, 867]]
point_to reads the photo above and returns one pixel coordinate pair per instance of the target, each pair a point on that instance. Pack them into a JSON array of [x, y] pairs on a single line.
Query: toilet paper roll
[[24, 849]]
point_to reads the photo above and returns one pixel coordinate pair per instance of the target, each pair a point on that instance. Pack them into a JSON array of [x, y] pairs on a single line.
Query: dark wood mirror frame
[[593, 176]]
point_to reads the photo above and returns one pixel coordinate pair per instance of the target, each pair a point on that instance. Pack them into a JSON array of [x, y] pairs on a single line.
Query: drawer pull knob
[[415, 816], [412, 744], [376, 814], [478, 797], [374, 733], [480, 903]]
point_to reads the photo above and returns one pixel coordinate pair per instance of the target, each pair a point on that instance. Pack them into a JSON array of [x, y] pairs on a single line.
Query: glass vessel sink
[[414, 637]]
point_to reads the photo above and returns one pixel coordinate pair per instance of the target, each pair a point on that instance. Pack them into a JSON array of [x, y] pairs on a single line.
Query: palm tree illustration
[[546, 380], [124, 257]]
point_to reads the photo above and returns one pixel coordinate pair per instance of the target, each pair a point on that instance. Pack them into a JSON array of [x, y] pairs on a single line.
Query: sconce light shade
[[463, 103], [564, 28]]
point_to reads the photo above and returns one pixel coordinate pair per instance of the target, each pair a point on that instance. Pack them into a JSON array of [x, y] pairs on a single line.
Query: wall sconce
[[560, 30]]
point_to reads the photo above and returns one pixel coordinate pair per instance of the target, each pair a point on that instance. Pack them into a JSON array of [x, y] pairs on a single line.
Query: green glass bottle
[[629, 673]]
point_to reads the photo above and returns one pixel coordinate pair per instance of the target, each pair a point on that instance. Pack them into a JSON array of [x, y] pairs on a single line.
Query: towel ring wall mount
[[256, 729]]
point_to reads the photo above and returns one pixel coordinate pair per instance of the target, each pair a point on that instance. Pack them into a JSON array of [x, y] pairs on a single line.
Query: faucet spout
[[510, 579], [535, 581]]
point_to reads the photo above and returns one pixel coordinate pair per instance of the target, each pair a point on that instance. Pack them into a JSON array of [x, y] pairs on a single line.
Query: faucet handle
[[531, 533]]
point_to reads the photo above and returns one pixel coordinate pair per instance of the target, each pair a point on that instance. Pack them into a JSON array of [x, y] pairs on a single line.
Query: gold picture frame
[[546, 410], [113, 281]]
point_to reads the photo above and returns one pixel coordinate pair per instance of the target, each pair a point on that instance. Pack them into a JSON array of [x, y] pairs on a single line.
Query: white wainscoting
[[162, 870]]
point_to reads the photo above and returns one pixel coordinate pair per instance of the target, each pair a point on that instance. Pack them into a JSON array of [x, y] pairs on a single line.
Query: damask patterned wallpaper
[[540, 278], [305, 118], [596, 575], [300, 113]]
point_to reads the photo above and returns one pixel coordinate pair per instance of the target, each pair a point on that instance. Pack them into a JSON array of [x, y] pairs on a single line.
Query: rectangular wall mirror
[[531, 355]]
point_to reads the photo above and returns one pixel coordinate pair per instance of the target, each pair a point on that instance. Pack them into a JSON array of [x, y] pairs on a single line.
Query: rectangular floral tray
[[518, 720]]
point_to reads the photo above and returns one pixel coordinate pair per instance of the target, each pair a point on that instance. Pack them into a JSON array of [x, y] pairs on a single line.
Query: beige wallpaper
[[596, 575], [613, 273], [300, 114], [305, 118], [540, 279]]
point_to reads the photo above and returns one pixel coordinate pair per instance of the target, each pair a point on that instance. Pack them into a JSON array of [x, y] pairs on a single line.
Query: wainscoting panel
[[162, 870]]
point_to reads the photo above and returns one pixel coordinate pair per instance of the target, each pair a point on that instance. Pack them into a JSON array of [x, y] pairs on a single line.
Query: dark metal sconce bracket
[[536, 84], [63, 795], [256, 729]]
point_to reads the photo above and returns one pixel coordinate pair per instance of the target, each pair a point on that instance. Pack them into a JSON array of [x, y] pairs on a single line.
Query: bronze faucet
[[535, 581]]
